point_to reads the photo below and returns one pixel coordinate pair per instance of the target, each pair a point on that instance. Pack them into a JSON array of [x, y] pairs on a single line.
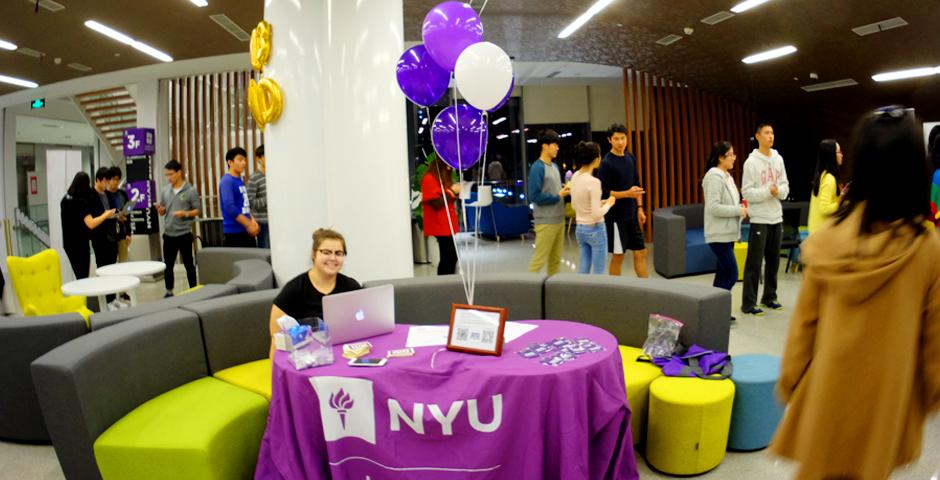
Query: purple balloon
[[506, 98], [466, 120], [448, 29], [421, 79]]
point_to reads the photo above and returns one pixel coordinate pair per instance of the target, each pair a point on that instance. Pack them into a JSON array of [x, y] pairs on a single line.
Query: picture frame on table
[[476, 329]]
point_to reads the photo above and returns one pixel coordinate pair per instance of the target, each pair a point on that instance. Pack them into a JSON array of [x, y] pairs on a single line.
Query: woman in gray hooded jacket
[[723, 213]]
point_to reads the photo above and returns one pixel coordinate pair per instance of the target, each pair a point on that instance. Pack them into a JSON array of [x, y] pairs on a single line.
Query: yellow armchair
[[37, 281]]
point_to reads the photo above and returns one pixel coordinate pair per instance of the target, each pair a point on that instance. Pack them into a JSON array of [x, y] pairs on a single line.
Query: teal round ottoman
[[755, 413]]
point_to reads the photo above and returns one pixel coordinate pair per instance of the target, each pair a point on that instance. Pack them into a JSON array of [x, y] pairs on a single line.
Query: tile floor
[[749, 335]]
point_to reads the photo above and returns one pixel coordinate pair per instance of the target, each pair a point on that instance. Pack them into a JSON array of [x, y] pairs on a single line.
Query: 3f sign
[[132, 141]]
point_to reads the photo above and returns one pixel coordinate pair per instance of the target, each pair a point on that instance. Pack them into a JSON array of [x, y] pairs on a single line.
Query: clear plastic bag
[[311, 348], [662, 336]]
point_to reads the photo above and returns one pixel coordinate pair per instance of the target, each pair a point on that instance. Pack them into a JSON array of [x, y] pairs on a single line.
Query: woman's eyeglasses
[[332, 253]]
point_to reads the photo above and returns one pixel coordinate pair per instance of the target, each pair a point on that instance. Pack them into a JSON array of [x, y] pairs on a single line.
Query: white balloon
[[483, 74]]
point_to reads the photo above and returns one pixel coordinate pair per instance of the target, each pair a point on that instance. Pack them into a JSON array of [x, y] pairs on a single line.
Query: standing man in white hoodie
[[764, 184]]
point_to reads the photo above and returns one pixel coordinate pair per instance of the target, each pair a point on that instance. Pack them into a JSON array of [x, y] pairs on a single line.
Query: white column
[[337, 157]]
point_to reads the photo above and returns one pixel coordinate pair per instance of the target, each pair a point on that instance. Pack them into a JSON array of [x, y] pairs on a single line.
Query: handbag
[[697, 361]]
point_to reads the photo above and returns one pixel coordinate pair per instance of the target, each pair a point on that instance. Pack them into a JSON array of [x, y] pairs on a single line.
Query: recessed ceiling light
[[200, 3], [749, 4], [775, 53], [575, 25], [845, 82], [7, 45], [18, 81], [902, 74], [116, 35], [499, 120]]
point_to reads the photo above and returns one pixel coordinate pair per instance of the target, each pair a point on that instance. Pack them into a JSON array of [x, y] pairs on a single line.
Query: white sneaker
[[113, 305], [122, 304]]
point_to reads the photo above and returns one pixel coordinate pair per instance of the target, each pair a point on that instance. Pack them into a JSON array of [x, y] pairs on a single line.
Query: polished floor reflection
[[749, 335]]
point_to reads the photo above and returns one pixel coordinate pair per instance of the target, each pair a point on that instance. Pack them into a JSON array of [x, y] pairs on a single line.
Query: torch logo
[[342, 403], [347, 407]]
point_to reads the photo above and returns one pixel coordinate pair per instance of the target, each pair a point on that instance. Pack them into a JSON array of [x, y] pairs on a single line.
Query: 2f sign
[[132, 141]]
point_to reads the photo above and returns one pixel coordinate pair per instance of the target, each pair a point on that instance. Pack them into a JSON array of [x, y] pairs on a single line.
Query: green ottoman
[[205, 429]]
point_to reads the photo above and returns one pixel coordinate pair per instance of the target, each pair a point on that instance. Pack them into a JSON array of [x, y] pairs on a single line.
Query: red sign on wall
[[33, 185]]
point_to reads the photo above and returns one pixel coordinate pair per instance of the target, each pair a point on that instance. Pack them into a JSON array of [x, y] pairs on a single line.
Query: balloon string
[[450, 222], [479, 208], [450, 225], [463, 205], [483, 7]]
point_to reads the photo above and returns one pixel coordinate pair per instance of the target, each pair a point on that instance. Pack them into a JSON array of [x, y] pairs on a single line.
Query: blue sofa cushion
[[698, 255]]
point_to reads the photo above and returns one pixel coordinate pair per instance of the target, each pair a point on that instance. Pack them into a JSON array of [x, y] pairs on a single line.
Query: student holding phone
[[621, 179], [179, 206]]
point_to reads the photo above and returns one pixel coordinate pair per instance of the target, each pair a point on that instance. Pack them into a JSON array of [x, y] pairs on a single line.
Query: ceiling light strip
[[904, 74], [580, 21], [749, 4], [7, 45], [116, 35], [200, 3], [18, 81], [770, 54]]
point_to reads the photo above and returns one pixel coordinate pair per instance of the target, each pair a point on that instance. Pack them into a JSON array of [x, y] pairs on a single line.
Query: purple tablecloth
[[468, 417]]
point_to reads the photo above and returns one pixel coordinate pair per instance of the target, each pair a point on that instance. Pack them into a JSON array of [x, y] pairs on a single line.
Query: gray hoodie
[[760, 172], [187, 199], [722, 210]]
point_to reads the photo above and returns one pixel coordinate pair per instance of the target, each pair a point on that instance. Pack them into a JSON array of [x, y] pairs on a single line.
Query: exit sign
[[37, 103]]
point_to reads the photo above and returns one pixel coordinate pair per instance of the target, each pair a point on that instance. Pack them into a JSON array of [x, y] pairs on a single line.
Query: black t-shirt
[[118, 199], [301, 300], [107, 231], [73, 211], [619, 173]]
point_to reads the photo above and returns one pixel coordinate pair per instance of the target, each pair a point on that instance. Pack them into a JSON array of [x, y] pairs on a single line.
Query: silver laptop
[[360, 314]]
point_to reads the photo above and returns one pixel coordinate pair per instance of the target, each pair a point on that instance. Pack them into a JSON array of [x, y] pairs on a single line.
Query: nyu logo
[[347, 410], [346, 407], [416, 421]]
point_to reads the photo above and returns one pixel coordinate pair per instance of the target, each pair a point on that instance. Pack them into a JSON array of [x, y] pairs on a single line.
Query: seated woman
[[302, 297]]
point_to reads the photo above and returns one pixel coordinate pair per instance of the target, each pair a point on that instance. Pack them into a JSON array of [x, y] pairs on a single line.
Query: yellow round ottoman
[[638, 377], [688, 424]]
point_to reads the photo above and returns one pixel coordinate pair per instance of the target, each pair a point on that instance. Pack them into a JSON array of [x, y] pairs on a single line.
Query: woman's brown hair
[[323, 234]]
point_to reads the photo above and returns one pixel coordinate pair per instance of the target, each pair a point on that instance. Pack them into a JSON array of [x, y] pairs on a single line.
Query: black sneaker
[[753, 311], [168, 295], [773, 305], [733, 319]]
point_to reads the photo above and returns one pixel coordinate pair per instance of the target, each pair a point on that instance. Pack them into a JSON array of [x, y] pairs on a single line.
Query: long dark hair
[[889, 171], [81, 186], [825, 162], [719, 149], [585, 154], [441, 171], [933, 144]]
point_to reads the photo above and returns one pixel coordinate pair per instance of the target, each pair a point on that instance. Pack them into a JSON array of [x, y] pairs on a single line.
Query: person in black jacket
[[78, 222], [118, 199]]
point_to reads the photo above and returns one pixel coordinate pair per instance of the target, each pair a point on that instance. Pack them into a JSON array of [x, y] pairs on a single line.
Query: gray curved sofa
[[76, 381], [217, 264], [22, 340], [620, 305]]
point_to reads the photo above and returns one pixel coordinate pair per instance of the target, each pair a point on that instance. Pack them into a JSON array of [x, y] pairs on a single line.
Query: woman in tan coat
[[861, 367]]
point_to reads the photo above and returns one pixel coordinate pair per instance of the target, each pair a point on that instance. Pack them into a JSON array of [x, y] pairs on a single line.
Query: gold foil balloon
[[261, 45], [265, 100]]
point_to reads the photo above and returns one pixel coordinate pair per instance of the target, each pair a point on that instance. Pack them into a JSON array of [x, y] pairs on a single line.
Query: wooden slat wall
[[209, 115], [673, 127]]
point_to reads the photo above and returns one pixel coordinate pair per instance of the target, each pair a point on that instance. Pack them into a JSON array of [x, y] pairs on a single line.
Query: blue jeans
[[726, 275], [592, 241], [264, 236]]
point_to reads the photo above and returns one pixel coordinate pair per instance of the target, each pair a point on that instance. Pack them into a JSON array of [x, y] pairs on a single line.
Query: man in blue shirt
[[237, 225], [621, 179], [546, 192]]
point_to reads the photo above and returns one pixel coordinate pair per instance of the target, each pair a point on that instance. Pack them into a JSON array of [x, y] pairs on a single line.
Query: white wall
[[337, 157], [606, 106], [555, 104]]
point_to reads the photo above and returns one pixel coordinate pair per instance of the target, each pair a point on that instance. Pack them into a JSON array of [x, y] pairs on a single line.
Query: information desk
[[442, 414]]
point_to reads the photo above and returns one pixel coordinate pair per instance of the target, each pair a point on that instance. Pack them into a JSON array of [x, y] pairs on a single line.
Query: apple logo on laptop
[[360, 315]]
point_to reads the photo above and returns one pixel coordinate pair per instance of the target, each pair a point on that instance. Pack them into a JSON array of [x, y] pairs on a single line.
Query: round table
[[101, 286], [443, 414], [134, 269]]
